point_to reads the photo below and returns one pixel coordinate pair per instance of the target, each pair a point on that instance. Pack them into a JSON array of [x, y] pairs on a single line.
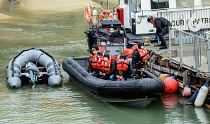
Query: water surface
[[61, 33]]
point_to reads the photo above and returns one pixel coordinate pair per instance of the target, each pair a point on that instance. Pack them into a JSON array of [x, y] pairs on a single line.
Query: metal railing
[[190, 49], [195, 20]]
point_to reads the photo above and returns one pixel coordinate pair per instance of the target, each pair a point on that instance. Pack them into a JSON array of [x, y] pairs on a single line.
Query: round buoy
[[171, 85], [163, 76]]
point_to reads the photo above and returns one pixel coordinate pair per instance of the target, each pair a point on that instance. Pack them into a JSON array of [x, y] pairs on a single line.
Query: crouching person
[[107, 67]]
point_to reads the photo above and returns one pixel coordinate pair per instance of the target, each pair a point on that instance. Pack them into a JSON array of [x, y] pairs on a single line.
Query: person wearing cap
[[129, 52], [122, 65], [95, 64], [139, 56], [93, 58], [107, 67], [162, 28], [94, 49]]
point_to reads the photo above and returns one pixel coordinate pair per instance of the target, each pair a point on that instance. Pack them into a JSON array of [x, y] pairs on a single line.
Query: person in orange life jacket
[[92, 58], [162, 28], [128, 52], [122, 65], [139, 56], [107, 67], [94, 50], [95, 64]]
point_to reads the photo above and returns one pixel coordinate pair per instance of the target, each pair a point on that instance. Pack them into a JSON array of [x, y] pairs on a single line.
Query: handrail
[[196, 48]]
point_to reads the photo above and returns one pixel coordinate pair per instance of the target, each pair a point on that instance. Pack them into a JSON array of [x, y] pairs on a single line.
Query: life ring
[[194, 26], [88, 13], [106, 12]]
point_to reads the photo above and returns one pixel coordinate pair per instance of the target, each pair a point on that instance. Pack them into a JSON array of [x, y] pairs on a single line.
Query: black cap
[[149, 18], [140, 42], [106, 55], [123, 56], [95, 46]]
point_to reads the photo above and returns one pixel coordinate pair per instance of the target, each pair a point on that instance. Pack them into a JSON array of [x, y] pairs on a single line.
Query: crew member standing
[[162, 28]]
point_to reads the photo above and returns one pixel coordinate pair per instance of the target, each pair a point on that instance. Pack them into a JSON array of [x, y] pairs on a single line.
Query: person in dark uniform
[[162, 28]]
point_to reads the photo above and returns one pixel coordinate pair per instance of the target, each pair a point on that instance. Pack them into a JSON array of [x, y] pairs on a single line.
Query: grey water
[[61, 33]]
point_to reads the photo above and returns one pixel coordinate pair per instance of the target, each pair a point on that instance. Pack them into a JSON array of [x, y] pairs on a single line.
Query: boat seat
[[41, 69]]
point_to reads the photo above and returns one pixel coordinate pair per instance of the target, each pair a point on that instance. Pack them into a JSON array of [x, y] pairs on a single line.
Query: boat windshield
[[111, 36]]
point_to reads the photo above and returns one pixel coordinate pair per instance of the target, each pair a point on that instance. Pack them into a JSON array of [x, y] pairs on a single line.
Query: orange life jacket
[[129, 52], [143, 53], [102, 48], [106, 65], [122, 66], [96, 62]]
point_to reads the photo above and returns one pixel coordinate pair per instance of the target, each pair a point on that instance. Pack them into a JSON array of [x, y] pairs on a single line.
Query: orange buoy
[[106, 12], [163, 76], [171, 85], [88, 13]]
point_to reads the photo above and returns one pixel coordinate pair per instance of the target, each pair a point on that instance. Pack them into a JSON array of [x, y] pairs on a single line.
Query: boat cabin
[[111, 34]]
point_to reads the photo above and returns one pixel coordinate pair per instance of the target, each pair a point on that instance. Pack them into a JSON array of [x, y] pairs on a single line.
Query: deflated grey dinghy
[[33, 66]]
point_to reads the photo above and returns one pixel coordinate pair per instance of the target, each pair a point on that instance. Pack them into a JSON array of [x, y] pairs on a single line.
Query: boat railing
[[194, 20], [190, 49]]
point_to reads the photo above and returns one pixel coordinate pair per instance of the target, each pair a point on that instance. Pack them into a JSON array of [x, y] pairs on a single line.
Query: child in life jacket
[[122, 65], [107, 67]]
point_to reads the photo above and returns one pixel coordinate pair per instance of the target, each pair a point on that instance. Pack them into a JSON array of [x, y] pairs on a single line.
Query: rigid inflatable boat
[[33, 66], [134, 91], [113, 91]]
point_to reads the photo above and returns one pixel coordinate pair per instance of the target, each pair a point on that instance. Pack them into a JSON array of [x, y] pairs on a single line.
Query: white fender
[[201, 96], [186, 91]]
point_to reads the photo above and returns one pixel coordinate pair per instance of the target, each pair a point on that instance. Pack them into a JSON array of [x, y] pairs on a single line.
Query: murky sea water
[[61, 34]]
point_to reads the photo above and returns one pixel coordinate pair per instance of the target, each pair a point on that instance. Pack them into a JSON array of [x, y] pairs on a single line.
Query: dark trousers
[[161, 34], [104, 77]]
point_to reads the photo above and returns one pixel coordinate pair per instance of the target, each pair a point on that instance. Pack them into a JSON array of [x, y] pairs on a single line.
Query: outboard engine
[[33, 70]]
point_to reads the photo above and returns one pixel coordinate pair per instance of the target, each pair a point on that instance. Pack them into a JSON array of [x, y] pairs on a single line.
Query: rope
[[49, 54]]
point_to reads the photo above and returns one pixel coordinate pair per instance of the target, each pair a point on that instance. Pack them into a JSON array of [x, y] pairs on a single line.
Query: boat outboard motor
[[33, 70]]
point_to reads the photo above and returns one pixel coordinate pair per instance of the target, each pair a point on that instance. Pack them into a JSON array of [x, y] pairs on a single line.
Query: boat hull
[[132, 89]]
